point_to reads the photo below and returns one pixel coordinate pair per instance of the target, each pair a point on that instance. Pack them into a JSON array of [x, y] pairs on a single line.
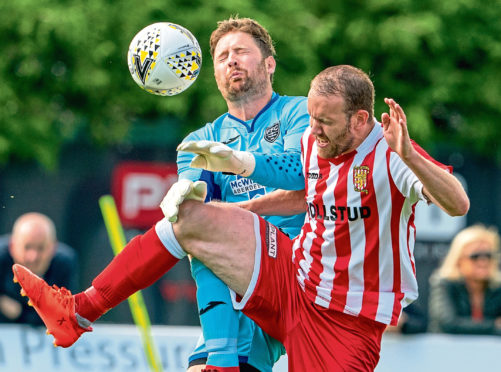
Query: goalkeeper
[[260, 120]]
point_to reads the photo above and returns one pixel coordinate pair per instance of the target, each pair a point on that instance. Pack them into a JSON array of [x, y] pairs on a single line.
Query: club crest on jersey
[[271, 133], [360, 174]]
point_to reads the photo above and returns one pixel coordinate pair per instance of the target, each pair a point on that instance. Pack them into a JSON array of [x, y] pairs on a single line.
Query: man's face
[[329, 125], [239, 67], [31, 247]]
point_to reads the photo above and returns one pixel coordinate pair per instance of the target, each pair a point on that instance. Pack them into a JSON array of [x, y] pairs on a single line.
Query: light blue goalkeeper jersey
[[274, 137], [277, 129]]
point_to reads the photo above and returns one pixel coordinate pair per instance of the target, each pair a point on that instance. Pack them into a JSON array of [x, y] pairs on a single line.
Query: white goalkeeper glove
[[180, 191], [217, 157]]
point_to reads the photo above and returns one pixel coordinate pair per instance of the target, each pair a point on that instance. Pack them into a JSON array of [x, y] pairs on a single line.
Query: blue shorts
[[255, 347]]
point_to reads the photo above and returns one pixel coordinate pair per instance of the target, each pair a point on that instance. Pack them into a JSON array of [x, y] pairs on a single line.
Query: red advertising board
[[138, 189]]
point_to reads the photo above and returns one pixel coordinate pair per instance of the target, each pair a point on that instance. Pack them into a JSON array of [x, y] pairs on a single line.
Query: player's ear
[[271, 64], [361, 117]]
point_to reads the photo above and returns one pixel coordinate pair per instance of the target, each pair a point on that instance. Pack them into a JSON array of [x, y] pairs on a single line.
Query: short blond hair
[[450, 270]]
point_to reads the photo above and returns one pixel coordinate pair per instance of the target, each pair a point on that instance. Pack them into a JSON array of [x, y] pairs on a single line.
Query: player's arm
[[281, 171], [277, 203], [439, 186], [272, 170]]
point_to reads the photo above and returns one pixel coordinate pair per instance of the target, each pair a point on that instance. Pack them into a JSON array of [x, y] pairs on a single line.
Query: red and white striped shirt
[[355, 251]]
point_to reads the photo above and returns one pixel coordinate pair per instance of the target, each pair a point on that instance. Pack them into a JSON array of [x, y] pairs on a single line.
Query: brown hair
[[349, 82], [247, 25]]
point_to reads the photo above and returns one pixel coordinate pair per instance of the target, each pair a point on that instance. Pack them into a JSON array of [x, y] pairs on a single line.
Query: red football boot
[[56, 306]]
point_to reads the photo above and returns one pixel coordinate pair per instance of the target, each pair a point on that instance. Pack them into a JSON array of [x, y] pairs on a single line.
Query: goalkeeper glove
[[217, 157], [180, 191]]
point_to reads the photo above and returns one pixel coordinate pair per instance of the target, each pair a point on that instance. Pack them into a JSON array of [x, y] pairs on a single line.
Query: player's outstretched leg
[[143, 261], [56, 306]]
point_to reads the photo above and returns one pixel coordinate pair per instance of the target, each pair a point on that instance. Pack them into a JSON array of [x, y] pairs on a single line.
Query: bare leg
[[222, 237]]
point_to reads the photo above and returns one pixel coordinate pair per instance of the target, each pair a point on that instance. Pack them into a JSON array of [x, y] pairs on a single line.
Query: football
[[164, 58]]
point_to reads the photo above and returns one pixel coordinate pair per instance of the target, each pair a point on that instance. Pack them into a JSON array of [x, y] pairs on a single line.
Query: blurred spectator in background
[[413, 320], [33, 243], [465, 292]]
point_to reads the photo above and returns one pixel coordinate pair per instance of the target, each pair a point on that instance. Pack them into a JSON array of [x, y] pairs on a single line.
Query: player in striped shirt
[[329, 294]]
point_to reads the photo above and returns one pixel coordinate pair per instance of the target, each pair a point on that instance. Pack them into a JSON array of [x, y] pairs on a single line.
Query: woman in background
[[465, 292]]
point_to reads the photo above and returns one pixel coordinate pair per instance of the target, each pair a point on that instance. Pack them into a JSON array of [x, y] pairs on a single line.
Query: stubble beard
[[250, 87], [343, 143]]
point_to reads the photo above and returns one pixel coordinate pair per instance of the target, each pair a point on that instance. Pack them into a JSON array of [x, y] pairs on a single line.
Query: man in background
[[33, 243]]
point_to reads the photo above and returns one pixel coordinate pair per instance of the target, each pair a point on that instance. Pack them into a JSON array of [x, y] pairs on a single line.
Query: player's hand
[[217, 157], [180, 191], [395, 129]]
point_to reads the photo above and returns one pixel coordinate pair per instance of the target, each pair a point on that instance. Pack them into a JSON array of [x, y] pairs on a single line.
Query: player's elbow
[[461, 207], [465, 207]]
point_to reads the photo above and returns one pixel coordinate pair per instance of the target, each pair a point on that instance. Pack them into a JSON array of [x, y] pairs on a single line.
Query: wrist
[[247, 205], [411, 156]]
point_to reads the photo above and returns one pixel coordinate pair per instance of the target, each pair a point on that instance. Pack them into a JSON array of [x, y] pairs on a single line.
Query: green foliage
[[64, 74]]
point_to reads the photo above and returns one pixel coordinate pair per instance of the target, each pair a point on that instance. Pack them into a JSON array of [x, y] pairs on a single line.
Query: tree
[[64, 74]]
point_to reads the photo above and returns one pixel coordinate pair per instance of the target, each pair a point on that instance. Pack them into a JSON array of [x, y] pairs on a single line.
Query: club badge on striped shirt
[[360, 174], [271, 240]]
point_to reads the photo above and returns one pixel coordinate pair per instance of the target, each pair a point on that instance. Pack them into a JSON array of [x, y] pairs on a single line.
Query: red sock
[[141, 263], [89, 304], [209, 368]]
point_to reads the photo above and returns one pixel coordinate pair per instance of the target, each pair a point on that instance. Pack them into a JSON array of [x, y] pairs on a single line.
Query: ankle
[[90, 304]]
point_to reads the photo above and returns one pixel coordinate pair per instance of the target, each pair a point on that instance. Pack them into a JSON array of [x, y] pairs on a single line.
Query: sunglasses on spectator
[[478, 255]]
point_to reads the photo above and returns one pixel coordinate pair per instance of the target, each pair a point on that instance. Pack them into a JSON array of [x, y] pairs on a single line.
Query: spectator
[[465, 293], [33, 244]]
